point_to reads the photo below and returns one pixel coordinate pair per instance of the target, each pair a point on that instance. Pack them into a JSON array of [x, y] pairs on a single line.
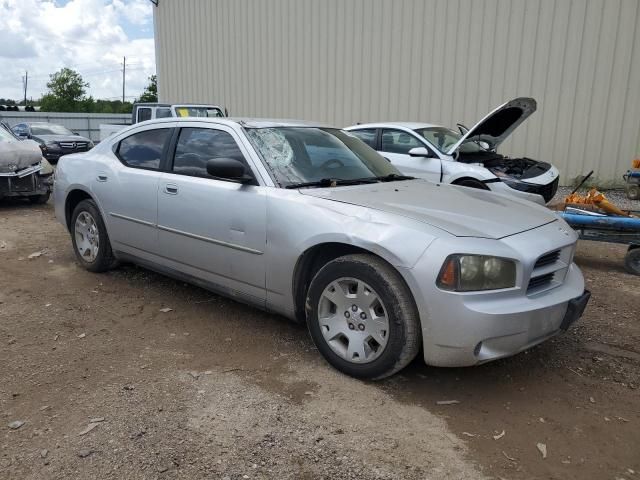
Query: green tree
[[150, 93], [66, 93]]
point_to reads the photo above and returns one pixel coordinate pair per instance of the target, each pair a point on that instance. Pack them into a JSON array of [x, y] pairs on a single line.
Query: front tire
[[632, 260], [362, 317], [89, 237]]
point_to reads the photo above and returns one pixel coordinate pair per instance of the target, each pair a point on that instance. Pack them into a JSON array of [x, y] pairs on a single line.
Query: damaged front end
[[24, 172], [526, 175]]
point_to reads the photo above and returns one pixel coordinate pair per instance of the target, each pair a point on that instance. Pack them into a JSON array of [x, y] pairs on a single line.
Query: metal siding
[[443, 61]]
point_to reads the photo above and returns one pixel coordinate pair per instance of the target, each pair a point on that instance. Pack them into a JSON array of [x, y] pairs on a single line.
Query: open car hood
[[495, 127]]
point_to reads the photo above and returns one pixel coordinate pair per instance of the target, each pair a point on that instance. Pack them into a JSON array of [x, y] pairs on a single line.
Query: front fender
[[457, 171]]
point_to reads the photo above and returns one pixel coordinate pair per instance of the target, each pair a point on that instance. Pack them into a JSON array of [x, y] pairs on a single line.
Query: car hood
[[20, 153], [460, 211], [62, 138], [498, 125]]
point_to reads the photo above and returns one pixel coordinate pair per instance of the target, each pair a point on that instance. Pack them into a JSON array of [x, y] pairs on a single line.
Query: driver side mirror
[[228, 169], [420, 152]]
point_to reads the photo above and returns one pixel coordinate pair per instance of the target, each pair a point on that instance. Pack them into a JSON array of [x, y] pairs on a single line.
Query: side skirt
[[184, 277]]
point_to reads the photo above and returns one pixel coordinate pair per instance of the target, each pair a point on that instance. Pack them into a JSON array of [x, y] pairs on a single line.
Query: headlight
[[468, 273], [52, 145], [12, 167]]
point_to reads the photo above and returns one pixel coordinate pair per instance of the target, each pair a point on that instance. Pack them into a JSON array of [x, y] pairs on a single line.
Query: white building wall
[[442, 61]]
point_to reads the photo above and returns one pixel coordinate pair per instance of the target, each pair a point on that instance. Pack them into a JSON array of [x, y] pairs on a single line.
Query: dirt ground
[[216, 389]]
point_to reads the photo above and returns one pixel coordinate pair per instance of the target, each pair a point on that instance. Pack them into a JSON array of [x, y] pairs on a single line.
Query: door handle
[[102, 178], [171, 189]]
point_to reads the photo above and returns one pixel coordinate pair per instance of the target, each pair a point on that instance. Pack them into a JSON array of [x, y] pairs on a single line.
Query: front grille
[[16, 184], [543, 281], [547, 259], [549, 191], [74, 146]]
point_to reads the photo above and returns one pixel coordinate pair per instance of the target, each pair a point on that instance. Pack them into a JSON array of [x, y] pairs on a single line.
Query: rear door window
[[144, 149], [163, 112], [367, 135]]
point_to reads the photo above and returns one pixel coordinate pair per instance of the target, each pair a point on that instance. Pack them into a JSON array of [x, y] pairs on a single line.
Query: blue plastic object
[[604, 222]]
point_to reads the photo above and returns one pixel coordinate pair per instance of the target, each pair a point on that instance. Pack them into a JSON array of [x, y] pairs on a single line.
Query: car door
[[395, 145], [213, 229], [128, 189]]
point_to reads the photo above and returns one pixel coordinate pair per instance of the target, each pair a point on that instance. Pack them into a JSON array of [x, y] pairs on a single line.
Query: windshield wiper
[[332, 182], [394, 177]]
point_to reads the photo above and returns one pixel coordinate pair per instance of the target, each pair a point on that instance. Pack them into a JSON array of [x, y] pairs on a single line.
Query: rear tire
[[471, 183], [633, 192], [89, 237], [362, 317], [632, 260]]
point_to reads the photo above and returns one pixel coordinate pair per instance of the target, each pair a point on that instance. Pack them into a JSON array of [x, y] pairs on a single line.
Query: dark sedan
[[54, 140]]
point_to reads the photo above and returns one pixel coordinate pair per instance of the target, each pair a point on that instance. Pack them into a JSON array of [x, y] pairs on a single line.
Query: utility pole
[[124, 70], [25, 79]]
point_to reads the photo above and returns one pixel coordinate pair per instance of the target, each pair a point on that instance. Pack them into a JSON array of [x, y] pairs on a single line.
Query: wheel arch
[[73, 198], [317, 256], [462, 179]]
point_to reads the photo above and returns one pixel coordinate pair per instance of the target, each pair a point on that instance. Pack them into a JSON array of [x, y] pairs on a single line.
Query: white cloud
[[90, 36]]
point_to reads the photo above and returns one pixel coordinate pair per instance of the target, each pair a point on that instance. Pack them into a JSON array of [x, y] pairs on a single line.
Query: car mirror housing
[[420, 152], [228, 169]]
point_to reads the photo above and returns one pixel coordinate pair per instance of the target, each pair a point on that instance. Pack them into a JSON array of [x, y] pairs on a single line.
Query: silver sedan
[[309, 222]]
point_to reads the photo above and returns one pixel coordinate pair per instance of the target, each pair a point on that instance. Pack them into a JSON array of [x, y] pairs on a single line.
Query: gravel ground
[[110, 387], [618, 197]]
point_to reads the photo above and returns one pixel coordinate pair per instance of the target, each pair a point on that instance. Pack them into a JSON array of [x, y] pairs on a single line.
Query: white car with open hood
[[469, 159]]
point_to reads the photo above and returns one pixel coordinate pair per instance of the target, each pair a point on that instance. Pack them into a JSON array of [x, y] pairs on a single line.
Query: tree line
[[67, 92]]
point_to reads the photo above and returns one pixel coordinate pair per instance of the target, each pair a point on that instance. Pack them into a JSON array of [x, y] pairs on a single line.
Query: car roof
[[409, 125], [245, 122]]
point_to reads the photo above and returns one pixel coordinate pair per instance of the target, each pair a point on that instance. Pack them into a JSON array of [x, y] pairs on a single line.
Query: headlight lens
[[12, 167], [468, 273], [52, 145]]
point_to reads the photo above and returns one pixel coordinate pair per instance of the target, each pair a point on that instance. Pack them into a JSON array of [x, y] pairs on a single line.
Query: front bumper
[[532, 196], [469, 328], [25, 183]]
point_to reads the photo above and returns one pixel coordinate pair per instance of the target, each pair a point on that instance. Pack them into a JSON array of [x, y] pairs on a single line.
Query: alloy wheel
[[353, 320]]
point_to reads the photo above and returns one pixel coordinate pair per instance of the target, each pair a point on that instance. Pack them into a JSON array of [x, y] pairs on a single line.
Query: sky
[[89, 36]]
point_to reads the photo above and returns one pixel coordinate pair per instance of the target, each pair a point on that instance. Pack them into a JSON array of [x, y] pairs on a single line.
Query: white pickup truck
[[149, 111]]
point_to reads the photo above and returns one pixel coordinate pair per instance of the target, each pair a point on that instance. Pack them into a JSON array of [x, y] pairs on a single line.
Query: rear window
[[144, 114], [144, 149]]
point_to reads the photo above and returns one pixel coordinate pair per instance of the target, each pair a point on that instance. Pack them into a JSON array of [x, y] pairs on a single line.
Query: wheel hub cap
[[87, 237], [353, 320]]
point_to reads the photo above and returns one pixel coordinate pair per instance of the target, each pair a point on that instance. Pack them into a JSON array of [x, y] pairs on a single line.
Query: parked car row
[[310, 222], [54, 140]]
